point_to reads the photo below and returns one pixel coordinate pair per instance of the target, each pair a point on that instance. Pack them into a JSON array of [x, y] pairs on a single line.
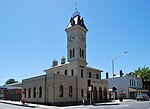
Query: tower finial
[[76, 7], [76, 11]]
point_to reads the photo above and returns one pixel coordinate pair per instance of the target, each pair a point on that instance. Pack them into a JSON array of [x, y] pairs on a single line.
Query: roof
[[57, 66], [94, 68], [15, 84], [76, 20], [3, 87]]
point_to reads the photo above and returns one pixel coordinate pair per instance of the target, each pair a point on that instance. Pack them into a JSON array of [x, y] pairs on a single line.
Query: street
[[9, 106], [123, 105]]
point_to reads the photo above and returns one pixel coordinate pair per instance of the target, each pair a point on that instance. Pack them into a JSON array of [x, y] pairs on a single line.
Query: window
[[72, 72], [70, 91], [81, 73], [40, 92], [73, 52], [95, 93], [130, 82], [29, 92], [82, 53], [96, 76], [105, 93], [100, 93], [70, 53], [66, 73], [24, 93], [89, 74], [34, 92], [89, 82], [82, 93], [61, 91]]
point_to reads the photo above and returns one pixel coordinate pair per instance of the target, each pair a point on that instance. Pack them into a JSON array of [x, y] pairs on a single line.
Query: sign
[[90, 88], [114, 89]]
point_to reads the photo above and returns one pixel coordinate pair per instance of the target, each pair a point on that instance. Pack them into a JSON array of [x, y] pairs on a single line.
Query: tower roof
[[76, 20]]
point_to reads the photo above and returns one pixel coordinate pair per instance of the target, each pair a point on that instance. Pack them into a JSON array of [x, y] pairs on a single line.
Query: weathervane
[[76, 10]]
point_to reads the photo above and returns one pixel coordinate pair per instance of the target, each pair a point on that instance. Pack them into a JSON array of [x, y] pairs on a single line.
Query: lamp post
[[113, 60]]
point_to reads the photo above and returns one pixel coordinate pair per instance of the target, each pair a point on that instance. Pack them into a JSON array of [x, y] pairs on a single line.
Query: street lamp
[[113, 60]]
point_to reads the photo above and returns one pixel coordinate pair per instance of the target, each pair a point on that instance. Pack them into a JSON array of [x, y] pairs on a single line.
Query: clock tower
[[76, 39]]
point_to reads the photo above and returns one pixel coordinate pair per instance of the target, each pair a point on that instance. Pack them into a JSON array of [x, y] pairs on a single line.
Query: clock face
[[82, 38], [71, 38]]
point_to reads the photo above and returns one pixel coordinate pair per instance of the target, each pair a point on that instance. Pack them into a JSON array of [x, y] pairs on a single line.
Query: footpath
[[117, 102]]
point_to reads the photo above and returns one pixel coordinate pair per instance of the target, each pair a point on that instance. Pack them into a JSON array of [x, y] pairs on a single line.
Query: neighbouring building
[[11, 92], [68, 82], [128, 86], [3, 92]]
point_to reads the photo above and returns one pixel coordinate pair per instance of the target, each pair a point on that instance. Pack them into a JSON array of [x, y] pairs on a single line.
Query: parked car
[[142, 97]]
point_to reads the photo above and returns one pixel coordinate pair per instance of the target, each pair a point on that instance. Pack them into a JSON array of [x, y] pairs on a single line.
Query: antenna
[[76, 11]]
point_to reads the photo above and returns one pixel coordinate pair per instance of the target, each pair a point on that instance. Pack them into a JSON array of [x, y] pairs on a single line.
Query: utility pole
[[113, 72]]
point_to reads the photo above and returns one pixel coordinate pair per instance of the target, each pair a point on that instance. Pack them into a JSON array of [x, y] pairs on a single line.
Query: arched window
[[70, 91], [89, 74], [66, 73], [97, 76], [70, 53], [95, 93], [73, 52], [40, 92], [34, 92], [61, 91], [72, 72], [100, 93], [29, 92], [81, 73], [82, 53], [82, 93], [105, 93]]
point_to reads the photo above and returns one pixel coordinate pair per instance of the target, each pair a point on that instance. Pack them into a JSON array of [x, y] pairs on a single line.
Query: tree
[[10, 81], [144, 73]]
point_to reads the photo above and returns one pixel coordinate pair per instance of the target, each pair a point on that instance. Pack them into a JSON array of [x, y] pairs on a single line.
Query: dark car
[[142, 97]]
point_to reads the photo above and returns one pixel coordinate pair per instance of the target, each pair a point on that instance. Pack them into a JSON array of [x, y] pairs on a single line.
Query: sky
[[32, 34]]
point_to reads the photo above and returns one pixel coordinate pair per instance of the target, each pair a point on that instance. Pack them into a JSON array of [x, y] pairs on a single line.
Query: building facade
[[68, 82], [11, 92], [3, 92], [128, 86]]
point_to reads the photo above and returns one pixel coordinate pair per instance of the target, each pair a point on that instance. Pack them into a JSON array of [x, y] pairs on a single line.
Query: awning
[[137, 89]]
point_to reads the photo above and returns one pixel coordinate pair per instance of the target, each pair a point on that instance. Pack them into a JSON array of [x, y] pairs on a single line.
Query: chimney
[[121, 73], [107, 75], [63, 60], [55, 63]]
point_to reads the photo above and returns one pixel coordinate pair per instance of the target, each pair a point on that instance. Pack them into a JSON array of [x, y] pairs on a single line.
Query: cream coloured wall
[[31, 83], [51, 82]]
